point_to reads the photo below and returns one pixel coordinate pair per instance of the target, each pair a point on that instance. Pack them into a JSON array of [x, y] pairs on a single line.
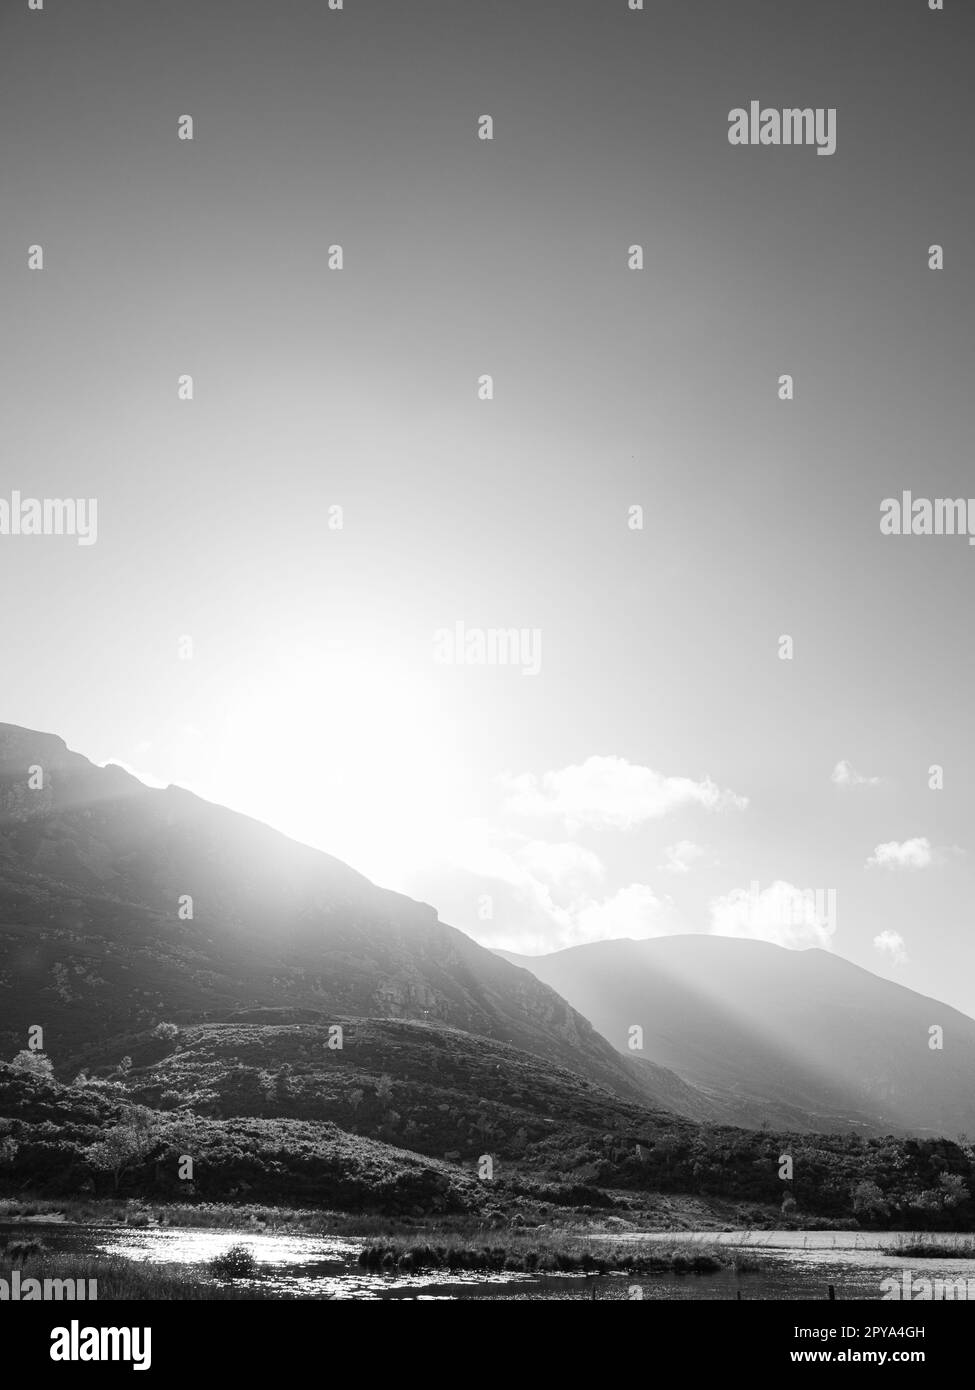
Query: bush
[[236, 1263], [34, 1062]]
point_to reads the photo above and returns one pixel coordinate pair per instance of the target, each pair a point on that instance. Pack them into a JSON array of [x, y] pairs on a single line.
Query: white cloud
[[910, 854], [891, 943], [550, 895], [635, 911], [610, 792], [783, 914], [844, 774], [681, 856], [486, 854]]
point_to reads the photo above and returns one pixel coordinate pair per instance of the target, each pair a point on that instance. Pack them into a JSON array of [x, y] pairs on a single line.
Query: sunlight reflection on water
[[197, 1245], [794, 1265]]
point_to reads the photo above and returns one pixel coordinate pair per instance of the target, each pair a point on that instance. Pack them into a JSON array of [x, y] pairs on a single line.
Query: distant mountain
[[123, 905], [799, 1039]]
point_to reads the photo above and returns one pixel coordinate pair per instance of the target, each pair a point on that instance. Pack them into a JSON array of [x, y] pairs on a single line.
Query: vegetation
[[34, 1062], [124, 1280], [73, 1140], [397, 1121], [133, 1211], [549, 1252], [236, 1263], [934, 1249]]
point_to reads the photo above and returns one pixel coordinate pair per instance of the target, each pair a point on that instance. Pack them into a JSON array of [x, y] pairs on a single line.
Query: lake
[[293, 1265]]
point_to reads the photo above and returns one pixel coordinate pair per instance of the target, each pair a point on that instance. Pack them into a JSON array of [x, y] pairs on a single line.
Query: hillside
[[69, 1140], [401, 1119], [795, 1039]]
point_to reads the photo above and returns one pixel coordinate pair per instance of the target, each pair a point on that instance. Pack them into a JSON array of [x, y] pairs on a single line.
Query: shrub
[[34, 1062], [236, 1263]]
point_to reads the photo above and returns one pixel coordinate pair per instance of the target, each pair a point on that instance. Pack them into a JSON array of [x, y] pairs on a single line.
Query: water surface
[[795, 1264]]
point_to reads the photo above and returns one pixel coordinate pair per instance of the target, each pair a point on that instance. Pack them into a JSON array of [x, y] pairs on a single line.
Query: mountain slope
[[99, 875], [800, 1039]]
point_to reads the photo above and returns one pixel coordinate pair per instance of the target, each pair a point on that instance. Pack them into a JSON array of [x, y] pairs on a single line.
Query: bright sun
[[345, 751]]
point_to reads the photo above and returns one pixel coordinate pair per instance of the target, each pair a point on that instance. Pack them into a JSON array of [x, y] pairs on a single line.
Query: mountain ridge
[[801, 1039]]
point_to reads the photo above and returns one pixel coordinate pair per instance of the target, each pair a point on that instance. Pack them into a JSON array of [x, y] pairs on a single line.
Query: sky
[[644, 760]]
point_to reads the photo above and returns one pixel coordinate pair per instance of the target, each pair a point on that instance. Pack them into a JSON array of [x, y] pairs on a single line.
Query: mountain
[[123, 905], [798, 1039]]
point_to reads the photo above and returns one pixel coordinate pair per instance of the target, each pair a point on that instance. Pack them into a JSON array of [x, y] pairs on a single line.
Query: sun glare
[[346, 752]]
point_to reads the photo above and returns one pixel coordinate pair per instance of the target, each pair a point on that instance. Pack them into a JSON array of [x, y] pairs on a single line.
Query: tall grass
[[546, 1252], [222, 1215], [137, 1280], [920, 1248]]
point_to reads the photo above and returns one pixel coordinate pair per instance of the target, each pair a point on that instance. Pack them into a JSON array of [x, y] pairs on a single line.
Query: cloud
[[844, 774], [910, 854], [488, 852], [635, 911], [783, 914], [550, 895], [681, 856], [610, 792], [892, 943]]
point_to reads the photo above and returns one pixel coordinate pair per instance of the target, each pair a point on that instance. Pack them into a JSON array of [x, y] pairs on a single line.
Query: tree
[[929, 1201], [125, 1066], [953, 1189], [122, 1146], [384, 1089], [34, 1062], [869, 1200], [166, 1031]]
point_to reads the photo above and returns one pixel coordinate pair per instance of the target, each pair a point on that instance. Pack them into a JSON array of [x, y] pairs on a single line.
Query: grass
[[120, 1280], [107, 1211], [920, 1249], [546, 1253]]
